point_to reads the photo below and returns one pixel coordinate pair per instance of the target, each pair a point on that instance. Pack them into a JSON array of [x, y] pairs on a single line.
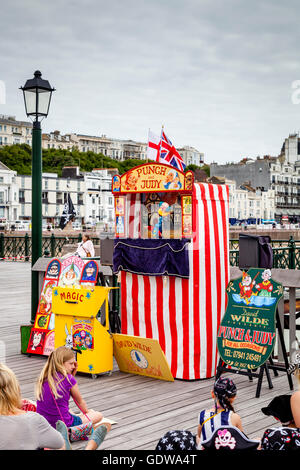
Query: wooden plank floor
[[144, 408]]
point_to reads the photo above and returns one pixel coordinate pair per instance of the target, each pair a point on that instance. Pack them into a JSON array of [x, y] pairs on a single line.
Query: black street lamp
[[37, 94]]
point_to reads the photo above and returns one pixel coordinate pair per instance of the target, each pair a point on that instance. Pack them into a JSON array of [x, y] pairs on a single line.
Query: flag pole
[[148, 143], [161, 133]]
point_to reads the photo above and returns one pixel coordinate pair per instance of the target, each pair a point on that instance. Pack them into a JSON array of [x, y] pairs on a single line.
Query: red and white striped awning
[[184, 314]]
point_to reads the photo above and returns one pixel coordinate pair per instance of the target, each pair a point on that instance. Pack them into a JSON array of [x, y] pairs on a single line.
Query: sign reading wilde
[[152, 177], [247, 332], [141, 356]]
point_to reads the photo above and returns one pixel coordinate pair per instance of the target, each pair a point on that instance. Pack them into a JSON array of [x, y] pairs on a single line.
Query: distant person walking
[[86, 247]]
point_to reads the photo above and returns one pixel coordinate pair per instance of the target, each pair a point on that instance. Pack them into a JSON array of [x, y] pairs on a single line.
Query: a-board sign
[[142, 356], [247, 332]]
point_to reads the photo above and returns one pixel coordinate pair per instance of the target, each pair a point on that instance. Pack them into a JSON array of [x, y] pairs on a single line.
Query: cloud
[[217, 74]]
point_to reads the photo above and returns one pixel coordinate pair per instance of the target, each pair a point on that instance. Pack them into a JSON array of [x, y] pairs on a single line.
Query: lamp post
[[37, 94]]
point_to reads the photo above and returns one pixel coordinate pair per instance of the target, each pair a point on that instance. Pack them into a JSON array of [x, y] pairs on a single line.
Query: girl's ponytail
[[225, 403]]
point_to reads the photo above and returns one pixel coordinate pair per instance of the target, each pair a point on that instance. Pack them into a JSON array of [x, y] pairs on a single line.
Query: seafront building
[[99, 201], [191, 156], [249, 204], [280, 174], [90, 193], [116, 149], [9, 194], [13, 131]]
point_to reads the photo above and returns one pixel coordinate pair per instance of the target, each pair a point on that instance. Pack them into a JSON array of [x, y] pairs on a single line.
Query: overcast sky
[[217, 74]]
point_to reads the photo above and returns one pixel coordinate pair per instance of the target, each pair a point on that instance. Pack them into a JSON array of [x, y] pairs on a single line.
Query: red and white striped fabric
[[184, 314], [132, 214]]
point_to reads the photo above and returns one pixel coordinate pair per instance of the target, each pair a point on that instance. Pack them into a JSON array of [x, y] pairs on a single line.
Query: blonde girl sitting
[[56, 385]]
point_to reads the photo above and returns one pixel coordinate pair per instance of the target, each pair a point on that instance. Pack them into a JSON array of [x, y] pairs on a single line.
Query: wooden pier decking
[[144, 408]]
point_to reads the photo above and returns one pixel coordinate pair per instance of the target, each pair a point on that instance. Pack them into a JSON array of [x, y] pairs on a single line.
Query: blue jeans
[[76, 421]]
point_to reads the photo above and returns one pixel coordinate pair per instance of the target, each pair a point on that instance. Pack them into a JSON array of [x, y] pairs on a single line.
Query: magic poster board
[[41, 339], [142, 356], [71, 272], [247, 332]]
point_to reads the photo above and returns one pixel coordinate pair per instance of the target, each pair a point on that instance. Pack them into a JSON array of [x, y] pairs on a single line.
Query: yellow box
[[76, 326]]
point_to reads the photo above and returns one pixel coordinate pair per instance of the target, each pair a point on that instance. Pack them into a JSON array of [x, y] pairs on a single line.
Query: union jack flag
[[168, 153]]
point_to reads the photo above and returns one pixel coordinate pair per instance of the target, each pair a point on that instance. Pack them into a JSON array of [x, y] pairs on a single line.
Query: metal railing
[[286, 253], [18, 248]]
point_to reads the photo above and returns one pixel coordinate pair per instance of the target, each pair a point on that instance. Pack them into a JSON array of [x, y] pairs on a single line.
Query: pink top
[[57, 409]]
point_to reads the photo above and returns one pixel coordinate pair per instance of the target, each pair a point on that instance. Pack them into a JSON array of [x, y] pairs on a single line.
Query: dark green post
[[36, 214], [14, 250], [52, 245], [292, 252], [26, 247], [116, 293]]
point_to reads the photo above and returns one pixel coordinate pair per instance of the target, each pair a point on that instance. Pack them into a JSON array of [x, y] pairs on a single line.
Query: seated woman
[[85, 248], [21, 430]]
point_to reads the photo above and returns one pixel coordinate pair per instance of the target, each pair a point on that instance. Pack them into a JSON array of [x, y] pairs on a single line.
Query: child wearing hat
[[286, 437], [223, 413]]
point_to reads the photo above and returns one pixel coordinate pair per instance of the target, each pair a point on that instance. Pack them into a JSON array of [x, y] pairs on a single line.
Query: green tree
[[18, 158], [193, 167]]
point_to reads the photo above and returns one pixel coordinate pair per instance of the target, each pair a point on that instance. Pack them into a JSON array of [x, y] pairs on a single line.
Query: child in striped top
[[223, 414]]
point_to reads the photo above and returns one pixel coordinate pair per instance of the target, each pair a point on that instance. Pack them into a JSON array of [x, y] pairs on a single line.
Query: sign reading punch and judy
[[154, 177], [247, 332]]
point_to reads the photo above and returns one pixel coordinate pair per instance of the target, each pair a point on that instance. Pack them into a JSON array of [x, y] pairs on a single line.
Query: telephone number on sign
[[246, 356], [253, 357]]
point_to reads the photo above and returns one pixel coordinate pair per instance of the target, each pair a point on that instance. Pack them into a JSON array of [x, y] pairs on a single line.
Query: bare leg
[[93, 416], [98, 436]]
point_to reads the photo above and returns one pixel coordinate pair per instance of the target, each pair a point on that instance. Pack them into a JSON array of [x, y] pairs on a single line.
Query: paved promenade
[[144, 408]]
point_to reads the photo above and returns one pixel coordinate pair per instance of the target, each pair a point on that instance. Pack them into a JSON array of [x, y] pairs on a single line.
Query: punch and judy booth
[[171, 250]]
